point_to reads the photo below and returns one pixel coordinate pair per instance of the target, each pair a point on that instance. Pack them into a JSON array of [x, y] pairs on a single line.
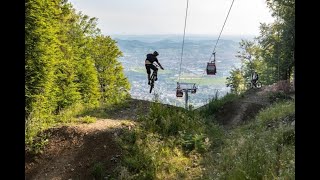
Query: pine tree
[[41, 54]]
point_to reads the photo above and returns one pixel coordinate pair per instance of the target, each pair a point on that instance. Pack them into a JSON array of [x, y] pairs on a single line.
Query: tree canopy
[[68, 61], [271, 54]]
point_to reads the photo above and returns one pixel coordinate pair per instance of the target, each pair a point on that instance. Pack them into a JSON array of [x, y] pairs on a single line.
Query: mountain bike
[[152, 79], [251, 85]]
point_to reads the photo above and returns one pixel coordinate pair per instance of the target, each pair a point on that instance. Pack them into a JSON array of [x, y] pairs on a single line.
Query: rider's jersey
[[255, 76], [150, 59]]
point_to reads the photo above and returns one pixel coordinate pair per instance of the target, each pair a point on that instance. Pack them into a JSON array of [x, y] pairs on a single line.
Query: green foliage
[[38, 120], [236, 81], [64, 54], [215, 103], [150, 156], [66, 115], [88, 82], [169, 121], [98, 171], [279, 96], [86, 74], [197, 142], [87, 119], [258, 150], [271, 54], [252, 60], [114, 85], [37, 144], [106, 111], [137, 161], [279, 37], [277, 112], [40, 55], [167, 144]]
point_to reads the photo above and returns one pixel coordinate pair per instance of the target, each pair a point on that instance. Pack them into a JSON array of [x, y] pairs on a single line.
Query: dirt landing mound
[[73, 151], [245, 108]]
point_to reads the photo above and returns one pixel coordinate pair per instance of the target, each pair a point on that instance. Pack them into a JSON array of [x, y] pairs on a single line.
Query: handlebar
[[156, 65]]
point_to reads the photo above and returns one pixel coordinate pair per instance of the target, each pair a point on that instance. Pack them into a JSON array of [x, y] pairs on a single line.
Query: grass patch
[[216, 103], [107, 110], [168, 143], [257, 150], [37, 122], [87, 119], [98, 171], [279, 96], [278, 112]]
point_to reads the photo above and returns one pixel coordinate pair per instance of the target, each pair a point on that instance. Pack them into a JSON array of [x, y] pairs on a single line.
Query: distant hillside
[[206, 46], [178, 37]]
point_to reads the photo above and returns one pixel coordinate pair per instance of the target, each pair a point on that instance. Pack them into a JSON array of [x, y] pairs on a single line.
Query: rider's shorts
[[151, 66]]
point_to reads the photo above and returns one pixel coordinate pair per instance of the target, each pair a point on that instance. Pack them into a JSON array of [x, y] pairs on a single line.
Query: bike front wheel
[[152, 81], [151, 87]]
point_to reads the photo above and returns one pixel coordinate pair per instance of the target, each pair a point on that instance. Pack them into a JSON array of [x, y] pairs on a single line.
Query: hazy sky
[[167, 16]]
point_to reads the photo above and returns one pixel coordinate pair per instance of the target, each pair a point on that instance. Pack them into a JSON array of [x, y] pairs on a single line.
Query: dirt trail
[[236, 112], [73, 150]]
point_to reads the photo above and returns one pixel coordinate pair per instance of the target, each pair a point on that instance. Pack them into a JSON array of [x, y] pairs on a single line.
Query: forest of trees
[[68, 62], [271, 54]]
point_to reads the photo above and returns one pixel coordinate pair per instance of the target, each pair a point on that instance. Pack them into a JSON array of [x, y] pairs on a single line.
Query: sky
[[205, 17]]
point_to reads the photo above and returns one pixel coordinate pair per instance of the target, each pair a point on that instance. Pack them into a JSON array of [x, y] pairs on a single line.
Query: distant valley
[[197, 51]]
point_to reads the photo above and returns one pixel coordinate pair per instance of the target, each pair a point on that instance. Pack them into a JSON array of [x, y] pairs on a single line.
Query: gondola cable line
[[211, 67]]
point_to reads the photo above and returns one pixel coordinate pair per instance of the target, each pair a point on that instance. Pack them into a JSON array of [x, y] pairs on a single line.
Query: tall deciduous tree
[[113, 83], [272, 52]]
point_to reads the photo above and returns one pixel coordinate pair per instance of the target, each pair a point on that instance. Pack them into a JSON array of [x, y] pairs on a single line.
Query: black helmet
[[155, 53]]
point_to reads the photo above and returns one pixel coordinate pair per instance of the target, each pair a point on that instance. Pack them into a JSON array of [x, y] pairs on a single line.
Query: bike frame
[[152, 79]]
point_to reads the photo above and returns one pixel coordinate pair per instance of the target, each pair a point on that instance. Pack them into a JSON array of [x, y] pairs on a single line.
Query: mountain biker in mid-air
[[149, 64]]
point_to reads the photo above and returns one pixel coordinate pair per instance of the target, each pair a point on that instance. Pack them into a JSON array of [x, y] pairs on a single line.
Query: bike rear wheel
[[258, 84]]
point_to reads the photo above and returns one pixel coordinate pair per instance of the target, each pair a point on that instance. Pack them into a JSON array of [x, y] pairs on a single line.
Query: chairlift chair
[[194, 90], [179, 93]]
